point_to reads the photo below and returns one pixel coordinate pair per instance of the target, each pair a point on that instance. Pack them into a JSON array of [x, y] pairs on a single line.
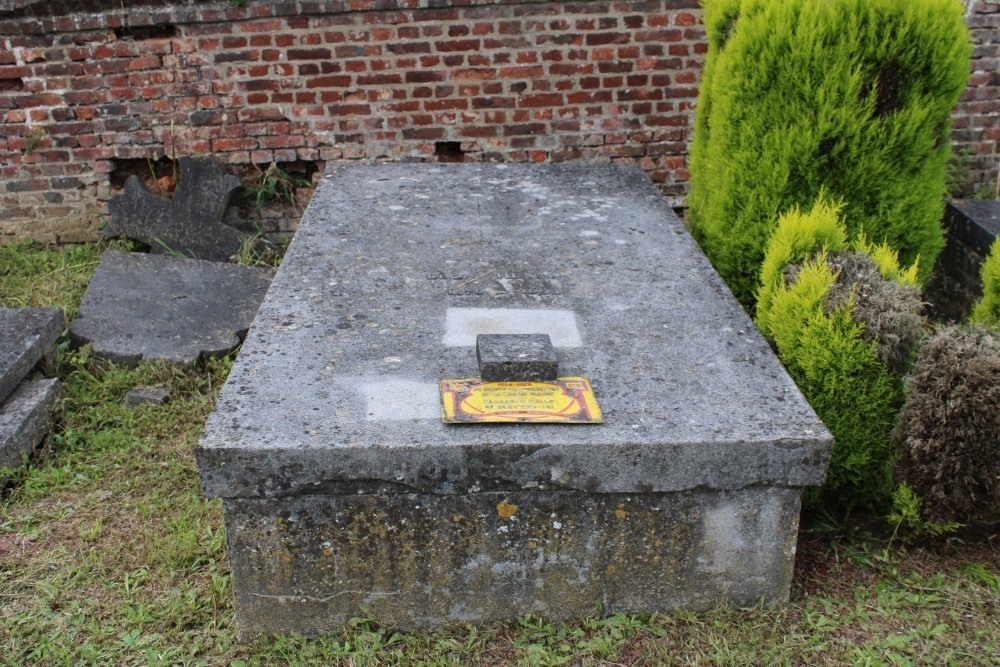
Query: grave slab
[[342, 488], [24, 421], [189, 223], [971, 226], [141, 306], [26, 337]]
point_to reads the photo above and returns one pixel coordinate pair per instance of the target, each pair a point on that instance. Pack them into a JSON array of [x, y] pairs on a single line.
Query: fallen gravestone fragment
[[27, 335], [147, 396], [190, 223], [27, 338], [141, 306], [24, 422]]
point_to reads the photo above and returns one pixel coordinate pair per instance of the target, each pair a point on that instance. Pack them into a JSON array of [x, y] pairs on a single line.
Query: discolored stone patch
[[150, 307]]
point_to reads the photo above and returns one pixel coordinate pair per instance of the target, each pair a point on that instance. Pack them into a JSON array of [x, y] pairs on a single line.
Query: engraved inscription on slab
[[499, 283]]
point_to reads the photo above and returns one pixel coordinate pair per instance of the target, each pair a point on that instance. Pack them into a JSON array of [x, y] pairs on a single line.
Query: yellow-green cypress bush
[[815, 291], [987, 311], [848, 96]]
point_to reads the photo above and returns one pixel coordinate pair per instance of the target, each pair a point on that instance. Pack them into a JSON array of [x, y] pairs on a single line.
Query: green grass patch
[[109, 555]]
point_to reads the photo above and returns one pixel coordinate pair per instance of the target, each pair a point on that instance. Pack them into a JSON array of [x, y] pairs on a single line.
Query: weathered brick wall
[[94, 90], [976, 127]]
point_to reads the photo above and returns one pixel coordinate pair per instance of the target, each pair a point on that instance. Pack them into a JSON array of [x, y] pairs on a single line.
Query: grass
[[109, 555]]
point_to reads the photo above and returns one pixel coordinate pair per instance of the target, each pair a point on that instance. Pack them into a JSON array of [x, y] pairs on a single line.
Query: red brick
[[474, 73], [458, 45], [544, 100], [602, 38], [338, 81], [426, 133], [425, 76], [348, 109], [446, 105], [309, 54], [525, 72]]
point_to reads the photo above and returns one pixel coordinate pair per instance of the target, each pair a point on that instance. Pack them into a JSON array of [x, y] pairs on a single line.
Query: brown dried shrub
[[948, 432], [890, 310]]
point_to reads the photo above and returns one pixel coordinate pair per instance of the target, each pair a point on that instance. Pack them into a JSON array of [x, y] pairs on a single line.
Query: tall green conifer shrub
[[828, 351], [848, 96]]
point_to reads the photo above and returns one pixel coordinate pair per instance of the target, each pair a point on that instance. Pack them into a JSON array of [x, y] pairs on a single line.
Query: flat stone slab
[[141, 306], [189, 223], [975, 222], [327, 440], [24, 421], [26, 336]]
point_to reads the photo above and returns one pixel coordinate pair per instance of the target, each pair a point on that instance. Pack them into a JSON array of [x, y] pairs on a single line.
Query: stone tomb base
[[343, 491], [310, 563]]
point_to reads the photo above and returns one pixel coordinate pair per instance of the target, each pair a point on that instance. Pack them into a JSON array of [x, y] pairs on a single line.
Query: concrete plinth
[[420, 559], [344, 490]]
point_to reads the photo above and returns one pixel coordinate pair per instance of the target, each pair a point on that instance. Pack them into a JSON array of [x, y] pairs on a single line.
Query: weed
[[906, 515], [274, 185], [170, 252], [33, 140], [255, 251], [956, 172]]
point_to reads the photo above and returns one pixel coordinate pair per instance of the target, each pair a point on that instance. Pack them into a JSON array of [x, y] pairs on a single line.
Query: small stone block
[[516, 357], [26, 336], [24, 421], [147, 396]]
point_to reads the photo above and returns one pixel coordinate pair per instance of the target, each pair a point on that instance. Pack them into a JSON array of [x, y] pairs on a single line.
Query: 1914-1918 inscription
[[498, 283]]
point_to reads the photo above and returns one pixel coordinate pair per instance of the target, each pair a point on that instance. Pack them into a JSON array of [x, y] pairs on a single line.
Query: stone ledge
[[24, 420], [26, 336], [357, 317]]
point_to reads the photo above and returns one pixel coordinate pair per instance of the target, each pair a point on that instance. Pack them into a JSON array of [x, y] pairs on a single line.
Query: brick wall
[[976, 126], [91, 92]]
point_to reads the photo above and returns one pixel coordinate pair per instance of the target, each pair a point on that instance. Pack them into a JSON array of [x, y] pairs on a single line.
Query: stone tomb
[[343, 490]]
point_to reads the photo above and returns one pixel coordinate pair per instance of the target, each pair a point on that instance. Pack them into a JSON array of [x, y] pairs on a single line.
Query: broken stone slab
[[147, 396], [188, 224], [26, 337], [25, 418], [152, 307]]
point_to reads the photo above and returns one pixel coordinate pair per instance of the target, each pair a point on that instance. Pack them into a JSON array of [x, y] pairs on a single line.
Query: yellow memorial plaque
[[567, 400]]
